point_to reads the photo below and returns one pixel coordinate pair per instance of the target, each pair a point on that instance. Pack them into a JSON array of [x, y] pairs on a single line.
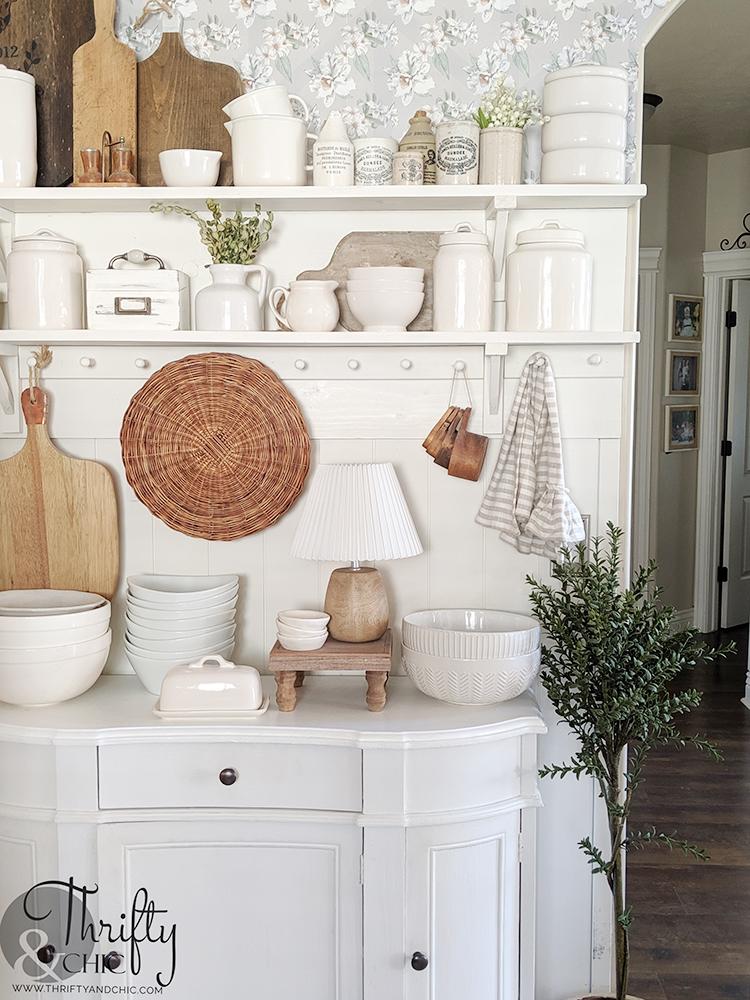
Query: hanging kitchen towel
[[526, 500]]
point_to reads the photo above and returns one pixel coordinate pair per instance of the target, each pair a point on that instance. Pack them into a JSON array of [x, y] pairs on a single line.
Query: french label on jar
[[457, 154], [333, 162]]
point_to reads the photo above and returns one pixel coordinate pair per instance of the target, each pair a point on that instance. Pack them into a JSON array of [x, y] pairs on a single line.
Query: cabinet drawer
[[269, 776], [571, 360]]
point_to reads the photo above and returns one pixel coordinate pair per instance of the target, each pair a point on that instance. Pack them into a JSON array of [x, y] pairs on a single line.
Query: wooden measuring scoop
[[468, 452], [431, 443], [445, 447]]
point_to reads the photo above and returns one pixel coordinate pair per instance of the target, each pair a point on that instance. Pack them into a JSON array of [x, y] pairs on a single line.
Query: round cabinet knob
[[141, 363], [300, 365], [459, 366], [113, 960], [594, 359], [46, 954], [228, 776], [353, 364], [406, 364], [419, 962], [87, 362]]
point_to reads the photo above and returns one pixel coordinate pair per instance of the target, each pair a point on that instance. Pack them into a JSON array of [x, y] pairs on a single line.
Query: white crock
[[549, 281], [586, 165], [463, 281], [589, 88], [309, 306], [18, 132], [45, 283], [585, 130], [229, 303], [500, 155], [457, 152], [269, 150]]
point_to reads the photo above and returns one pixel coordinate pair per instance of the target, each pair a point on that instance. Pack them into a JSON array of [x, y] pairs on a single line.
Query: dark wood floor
[[691, 934]]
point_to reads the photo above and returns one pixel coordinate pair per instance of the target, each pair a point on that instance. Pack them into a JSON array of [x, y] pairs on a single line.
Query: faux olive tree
[[607, 665]]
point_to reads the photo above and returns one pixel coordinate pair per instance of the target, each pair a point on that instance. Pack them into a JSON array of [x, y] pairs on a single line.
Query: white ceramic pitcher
[[309, 306], [229, 303]]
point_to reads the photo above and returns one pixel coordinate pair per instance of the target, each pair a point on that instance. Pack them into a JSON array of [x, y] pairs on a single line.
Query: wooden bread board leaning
[[59, 523]]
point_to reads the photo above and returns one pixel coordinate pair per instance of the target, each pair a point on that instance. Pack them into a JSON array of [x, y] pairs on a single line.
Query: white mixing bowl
[[471, 682], [33, 680], [471, 633]]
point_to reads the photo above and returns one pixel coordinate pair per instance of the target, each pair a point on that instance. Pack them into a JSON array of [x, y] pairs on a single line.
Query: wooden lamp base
[[357, 603]]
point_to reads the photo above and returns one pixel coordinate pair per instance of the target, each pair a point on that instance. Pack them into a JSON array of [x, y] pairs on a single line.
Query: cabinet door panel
[[463, 910], [262, 909]]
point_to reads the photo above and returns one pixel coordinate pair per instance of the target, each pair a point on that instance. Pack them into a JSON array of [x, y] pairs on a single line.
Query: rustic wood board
[[335, 655], [40, 37], [104, 87], [386, 249], [179, 106], [59, 523]]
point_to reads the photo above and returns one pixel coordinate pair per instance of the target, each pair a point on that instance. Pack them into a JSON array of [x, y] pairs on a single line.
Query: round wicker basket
[[215, 446]]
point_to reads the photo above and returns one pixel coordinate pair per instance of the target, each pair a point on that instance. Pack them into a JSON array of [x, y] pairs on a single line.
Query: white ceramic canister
[[45, 283], [373, 160], [457, 152], [309, 306], [589, 88], [549, 280], [229, 303], [585, 165], [333, 154], [269, 150], [585, 130], [463, 281], [408, 168], [18, 132], [500, 155]]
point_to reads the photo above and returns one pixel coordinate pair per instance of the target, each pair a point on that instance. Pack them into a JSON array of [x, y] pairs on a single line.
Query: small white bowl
[[182, 621], [71, 620], [396, 274], [315, 620], [175, 645], [389, 313], [223, 602], [36, 681], [151, 670], [168, 589], [384, 286], [295, 633], [47, 602], [190, 167], [302, 645]]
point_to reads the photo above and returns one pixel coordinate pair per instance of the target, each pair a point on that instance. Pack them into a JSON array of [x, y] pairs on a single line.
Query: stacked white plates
[[173, 620], [385, 299], [302, 630], [471, 657], [53, 644]]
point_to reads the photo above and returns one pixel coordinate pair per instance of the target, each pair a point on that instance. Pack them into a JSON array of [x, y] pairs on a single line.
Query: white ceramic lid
[[550, 232], [462, 234], [17, 74], [587, 70], [44, 239], [211, 684]]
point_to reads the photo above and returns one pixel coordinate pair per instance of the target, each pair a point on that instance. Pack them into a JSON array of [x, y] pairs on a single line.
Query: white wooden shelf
[[482, 198]]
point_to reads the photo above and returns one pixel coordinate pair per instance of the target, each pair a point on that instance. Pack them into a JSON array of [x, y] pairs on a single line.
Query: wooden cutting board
[[104, 87], [40, 37], [380, 250], [59, 515], [179, 106]]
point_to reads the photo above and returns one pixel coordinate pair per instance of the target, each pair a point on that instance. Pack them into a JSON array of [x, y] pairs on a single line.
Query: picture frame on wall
[[681, 427], [683, 373], [685, 318]]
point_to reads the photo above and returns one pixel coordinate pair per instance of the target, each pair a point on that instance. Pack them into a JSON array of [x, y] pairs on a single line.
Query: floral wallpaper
[[378, 61]]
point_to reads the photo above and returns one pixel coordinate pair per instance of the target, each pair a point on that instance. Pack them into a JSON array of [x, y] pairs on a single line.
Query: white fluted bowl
[[471, 633], [471, 682]]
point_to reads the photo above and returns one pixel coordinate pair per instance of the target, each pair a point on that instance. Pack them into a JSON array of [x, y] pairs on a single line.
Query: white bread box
[[137, 296]]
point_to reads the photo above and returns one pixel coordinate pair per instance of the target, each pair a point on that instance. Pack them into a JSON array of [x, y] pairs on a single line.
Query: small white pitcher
[[309, 306], [229, 303]]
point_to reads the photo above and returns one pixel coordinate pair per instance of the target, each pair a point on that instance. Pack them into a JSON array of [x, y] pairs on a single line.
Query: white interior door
[[736, 606]]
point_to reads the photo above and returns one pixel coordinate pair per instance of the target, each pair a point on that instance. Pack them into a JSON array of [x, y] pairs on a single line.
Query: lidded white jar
[[549, 281], [45, 283], [463, 276], [18, 133], [586, 88]]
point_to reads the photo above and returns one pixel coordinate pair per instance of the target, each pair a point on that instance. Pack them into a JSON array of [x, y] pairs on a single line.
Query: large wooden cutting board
[[179, 106], [40, 37], [59, 515], [380, 250], [104, 86]]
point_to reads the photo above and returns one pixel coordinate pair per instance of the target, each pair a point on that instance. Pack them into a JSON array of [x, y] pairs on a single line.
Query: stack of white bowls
[[471, 657], [53, 644], [302, 630], [385, 299], [172, 620], [584, 140], [269, 142]]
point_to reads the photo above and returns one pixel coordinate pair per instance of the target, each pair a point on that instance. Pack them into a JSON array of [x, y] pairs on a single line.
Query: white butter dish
[[209, 716], [210, 687]]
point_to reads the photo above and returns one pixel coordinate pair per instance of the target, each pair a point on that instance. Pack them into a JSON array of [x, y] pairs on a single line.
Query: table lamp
[[356, 513]]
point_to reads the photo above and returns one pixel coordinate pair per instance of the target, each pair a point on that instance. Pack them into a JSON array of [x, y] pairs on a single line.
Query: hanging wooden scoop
[[468, 453], [59, 515], [431, 443]]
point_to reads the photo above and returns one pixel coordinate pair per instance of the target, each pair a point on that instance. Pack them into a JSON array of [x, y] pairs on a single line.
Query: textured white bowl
[[47, 602], [471, 682], [52, 639], [223, 602], [385, 313], [173, 644], [190, 167], [573, 131], [470, 633], [587, 165], [396, 274], [49, 681], [302, 645], [37, 624], [171, 589], [305, 620], [183, 621], [151, 670]]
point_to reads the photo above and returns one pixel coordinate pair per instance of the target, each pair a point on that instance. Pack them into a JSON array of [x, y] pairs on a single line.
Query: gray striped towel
[[526, 500]]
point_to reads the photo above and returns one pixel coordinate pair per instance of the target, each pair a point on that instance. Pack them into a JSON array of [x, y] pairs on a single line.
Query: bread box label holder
[[138, 297]]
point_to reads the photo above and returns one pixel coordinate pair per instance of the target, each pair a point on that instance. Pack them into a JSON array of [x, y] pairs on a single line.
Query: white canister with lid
[[45, 283], [586, 88], [549, 280], [463, 281], [18, 133]]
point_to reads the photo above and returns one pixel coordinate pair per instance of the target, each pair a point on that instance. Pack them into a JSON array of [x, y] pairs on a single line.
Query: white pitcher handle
[[302, 104], [314, 137], [263, 288], [274, 301]]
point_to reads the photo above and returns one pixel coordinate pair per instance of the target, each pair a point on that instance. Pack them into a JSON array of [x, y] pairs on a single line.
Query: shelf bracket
[[494, 368]]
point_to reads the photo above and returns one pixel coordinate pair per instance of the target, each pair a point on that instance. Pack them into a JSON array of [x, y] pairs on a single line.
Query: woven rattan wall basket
[[215, 446]]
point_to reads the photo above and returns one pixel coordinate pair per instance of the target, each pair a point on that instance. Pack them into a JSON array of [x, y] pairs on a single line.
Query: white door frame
[[645, 484], [720, 269]]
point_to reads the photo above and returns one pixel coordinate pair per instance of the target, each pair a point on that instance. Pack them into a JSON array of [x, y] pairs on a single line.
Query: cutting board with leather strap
[[59, 515], [179, 106], [380, 250], [104, 86], [40, 37]]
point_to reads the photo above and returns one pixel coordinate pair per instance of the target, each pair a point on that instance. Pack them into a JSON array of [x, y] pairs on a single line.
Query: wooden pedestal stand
[[374, 658]]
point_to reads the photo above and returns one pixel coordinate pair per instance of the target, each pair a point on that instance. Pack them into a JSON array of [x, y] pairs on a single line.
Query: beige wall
[[728, 195]]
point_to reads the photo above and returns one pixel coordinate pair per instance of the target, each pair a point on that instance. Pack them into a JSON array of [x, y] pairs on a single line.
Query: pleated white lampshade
[[356, 513]]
